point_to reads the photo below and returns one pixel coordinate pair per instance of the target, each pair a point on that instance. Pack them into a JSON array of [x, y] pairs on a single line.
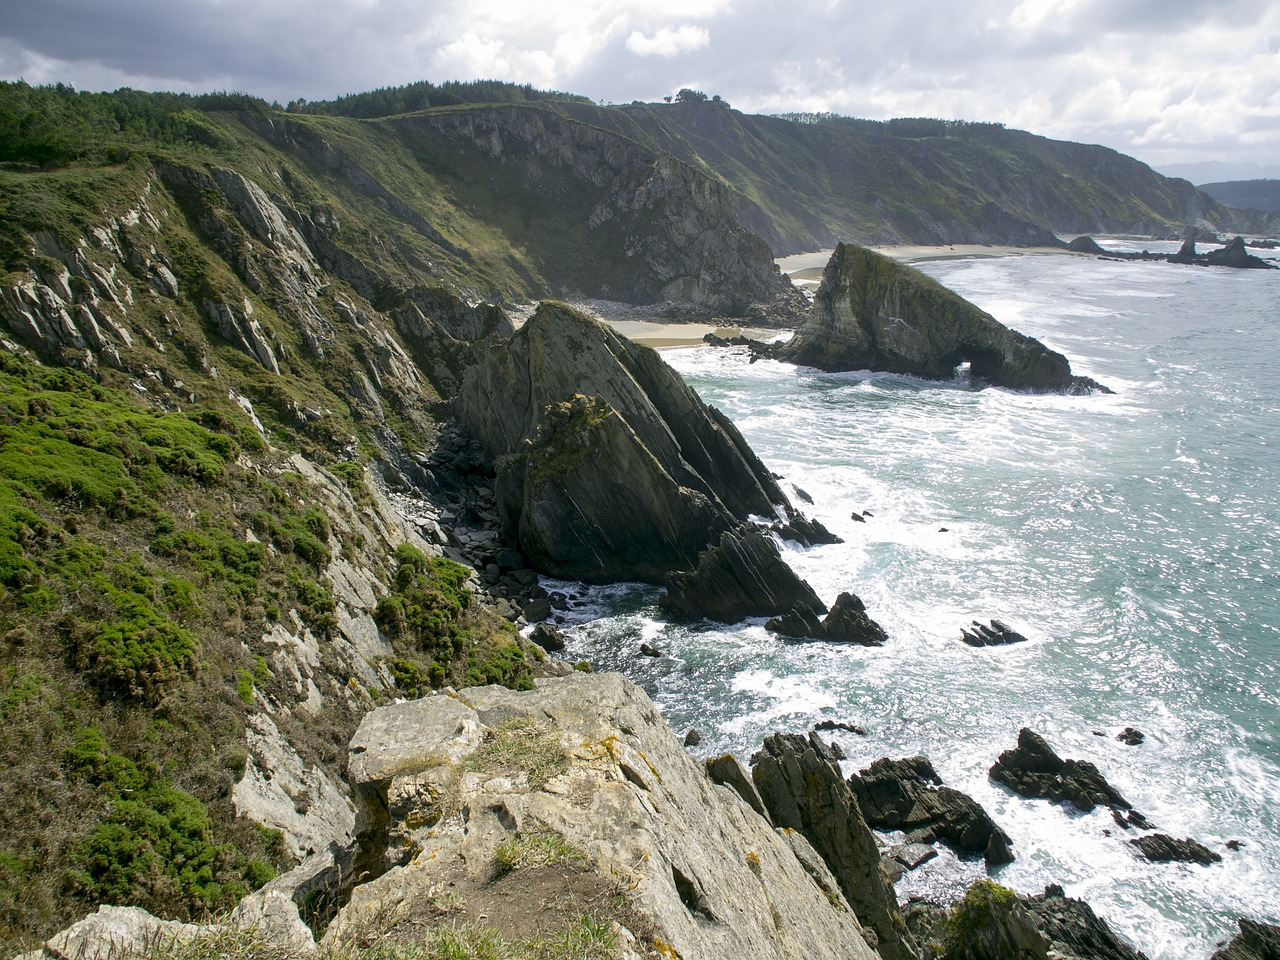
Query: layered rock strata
[[873, 313], [609, 467]]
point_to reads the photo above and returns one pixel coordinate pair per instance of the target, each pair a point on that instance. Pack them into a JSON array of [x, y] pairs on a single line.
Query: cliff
[[608, 467], [873, 313]]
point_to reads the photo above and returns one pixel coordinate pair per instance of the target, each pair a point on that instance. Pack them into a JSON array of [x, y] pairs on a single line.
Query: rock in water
[[1255, 941], [997, 634], [1085, 245], [1161, 848], [804, 791], [908, 795], [846, 623], [1032, 769], [874, 313], [1235, 255]]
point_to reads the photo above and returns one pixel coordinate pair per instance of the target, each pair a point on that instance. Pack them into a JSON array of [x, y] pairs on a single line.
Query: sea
[[1132, 538]]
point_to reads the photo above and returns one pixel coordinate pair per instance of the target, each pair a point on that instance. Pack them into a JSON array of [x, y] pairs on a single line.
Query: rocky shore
[[573, 806]]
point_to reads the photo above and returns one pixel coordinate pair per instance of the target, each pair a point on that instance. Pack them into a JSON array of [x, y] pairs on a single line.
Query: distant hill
[[1246, 194], [1210, 171]]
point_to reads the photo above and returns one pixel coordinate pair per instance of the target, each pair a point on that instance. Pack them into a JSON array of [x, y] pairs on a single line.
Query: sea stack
[[873, 313]]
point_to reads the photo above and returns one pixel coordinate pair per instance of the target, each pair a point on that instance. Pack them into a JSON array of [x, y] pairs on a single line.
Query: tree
[[685, 95]]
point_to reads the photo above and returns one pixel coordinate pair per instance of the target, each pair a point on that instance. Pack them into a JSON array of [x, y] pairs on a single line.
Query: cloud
[[1165, 79], [669, 41]]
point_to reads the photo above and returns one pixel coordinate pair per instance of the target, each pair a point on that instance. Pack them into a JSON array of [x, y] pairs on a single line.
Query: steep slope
[[806, 182]]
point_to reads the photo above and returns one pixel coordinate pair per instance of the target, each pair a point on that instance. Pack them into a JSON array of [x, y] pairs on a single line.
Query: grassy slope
[[149, 538]]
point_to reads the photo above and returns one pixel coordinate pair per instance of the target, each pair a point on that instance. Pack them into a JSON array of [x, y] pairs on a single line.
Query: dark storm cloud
[[1154, 77]]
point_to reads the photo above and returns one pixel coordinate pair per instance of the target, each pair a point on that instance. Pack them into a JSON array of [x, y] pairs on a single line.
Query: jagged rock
[[649, 650], [908, 795], [741, 576], [1186, 253], [872, 312], [693, 737], [847, 622], [1255, 941], [803, 791], [1234, 254], [1161, 848], [1032, 769], [586, 760], [238, 325], [997, 634], [993, 923], [1131, 736], [547, 637], [610, 468]]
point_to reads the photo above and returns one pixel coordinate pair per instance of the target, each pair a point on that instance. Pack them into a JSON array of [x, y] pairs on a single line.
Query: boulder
[[117, 933], [908, 795], [1161, 848], [1255, 941], [996, 634], [804, 791], [547, 637], [532, 808], [1033, 770], [873, 313], [1131, 736]]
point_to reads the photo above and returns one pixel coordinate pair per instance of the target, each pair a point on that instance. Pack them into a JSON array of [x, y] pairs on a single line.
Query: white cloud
[[1171, 80], [669, 41]]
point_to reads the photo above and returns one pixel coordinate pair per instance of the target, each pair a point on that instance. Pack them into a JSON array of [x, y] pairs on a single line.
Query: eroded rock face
[[609, 467], [803, 791], [586, 765], [873, 313], [908, 795], [1162, 848]]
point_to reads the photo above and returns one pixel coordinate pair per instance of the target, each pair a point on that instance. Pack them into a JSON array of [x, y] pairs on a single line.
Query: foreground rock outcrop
[[575, 792], [803, 791], [873, 313]]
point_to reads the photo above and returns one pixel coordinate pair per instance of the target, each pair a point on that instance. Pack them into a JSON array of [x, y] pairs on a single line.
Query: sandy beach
[[805, 269]]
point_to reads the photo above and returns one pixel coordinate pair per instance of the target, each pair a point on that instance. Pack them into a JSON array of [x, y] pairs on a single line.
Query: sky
[[1166, 81]]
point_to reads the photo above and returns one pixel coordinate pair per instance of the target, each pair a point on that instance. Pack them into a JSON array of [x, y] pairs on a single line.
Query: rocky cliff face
[[873, 313], [610, 468], [608, 217]]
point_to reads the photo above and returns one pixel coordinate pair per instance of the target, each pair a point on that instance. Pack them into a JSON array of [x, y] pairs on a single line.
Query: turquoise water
[[1133, 538]]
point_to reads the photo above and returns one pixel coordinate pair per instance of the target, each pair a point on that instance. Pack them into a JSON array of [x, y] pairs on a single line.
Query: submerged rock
[[873, 313], [1033, 770], [908, 795]]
